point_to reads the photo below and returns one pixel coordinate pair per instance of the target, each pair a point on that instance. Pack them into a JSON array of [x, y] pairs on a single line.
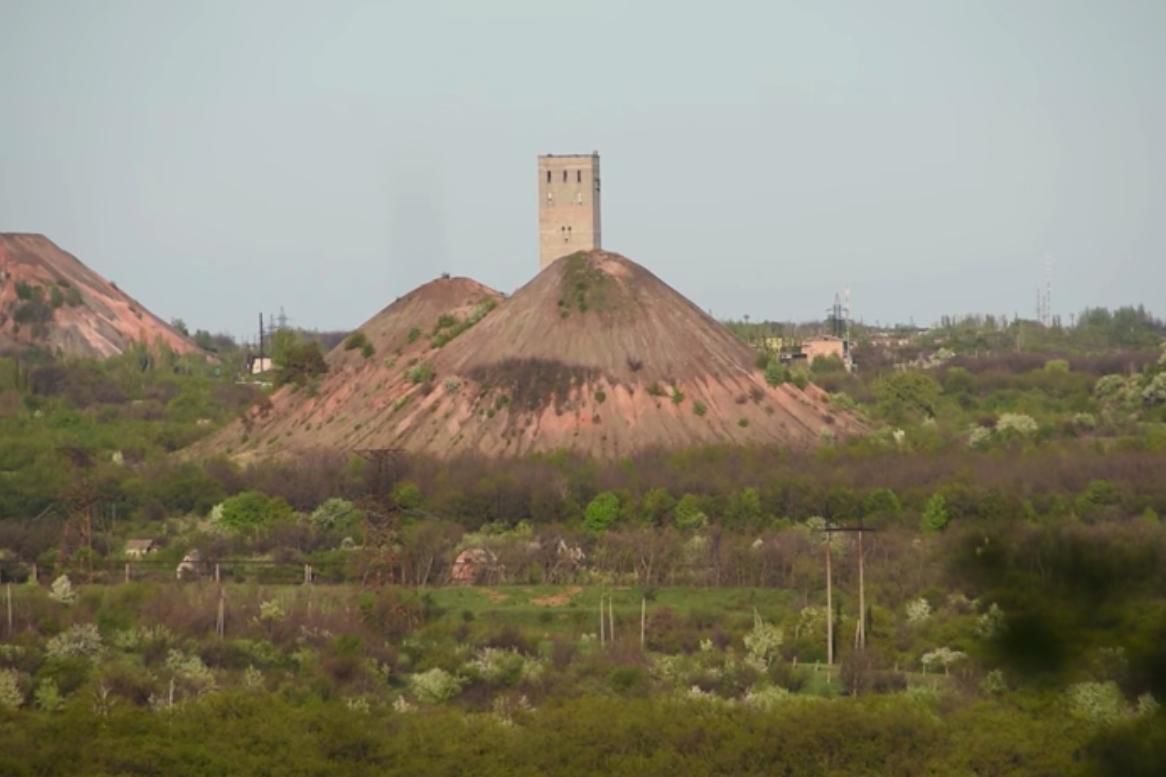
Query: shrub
[[776, 373], [600, 396], [296, 359], [48, 696], [435, 686], [407, 495], [935, 515], [81, 640], [1155, 393], [677, 396], [744, 422], [420, 373], [355, 340], [1098, 703], [11, 696], [250, 511], [414, 333], [699, 408], [336, 514], [655, 390]]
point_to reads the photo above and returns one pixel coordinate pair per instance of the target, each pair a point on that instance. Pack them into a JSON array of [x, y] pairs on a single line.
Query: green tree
[[407, 495], [250, 511], [882, 502], [296, 359], [655, 505], [689, 514], [906, 396], [935, 515], [744, 507], [601, 512]]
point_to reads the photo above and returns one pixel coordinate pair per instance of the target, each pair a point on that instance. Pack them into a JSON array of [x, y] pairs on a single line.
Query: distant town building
[[825, 347], [568, 205]]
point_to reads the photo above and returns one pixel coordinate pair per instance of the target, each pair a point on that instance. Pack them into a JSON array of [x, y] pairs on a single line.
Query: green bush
[[356, 340], [420, 373], [250, 511], [601, 512]]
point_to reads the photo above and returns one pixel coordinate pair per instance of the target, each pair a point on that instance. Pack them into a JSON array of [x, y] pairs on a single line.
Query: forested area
[[1014, 621]]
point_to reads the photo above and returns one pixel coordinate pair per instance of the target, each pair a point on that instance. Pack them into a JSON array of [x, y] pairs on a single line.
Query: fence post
[[611, 619], [643, 620], [602, 624], [127, 571], [217, 578], [220, 621], [8, 590], [307, 574]]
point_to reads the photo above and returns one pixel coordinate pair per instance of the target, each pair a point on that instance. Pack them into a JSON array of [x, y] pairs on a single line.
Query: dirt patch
[[497, 597], [559, 599]]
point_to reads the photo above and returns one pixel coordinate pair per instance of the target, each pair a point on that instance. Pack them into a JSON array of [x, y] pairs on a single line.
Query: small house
[[473, 565], [140, 548]]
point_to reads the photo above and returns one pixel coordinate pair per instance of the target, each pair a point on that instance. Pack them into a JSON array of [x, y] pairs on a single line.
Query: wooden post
[[307, 574], [602, 625], [220, 621], [217, 578], [861, 637], [34, 577], [643, 620], [8, 592], [829, 607], [611, 620], [127, 575]]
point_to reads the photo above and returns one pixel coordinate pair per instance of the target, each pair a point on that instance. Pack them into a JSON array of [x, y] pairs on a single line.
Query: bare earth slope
[[49, 299], [595, 355]]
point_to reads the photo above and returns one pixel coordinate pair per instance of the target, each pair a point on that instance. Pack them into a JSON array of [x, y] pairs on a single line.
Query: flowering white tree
[[763, 643], [1017, 423], [62, 591], [918, 610], [79, 640], [435, 686], [990, 623], [11, 696], [944, 657]]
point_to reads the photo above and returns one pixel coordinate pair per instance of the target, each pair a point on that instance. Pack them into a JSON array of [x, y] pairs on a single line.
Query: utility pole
[[860, 633], [829, 604]]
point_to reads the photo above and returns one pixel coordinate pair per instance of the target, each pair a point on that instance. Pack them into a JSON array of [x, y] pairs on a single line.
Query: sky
[[221, 158]]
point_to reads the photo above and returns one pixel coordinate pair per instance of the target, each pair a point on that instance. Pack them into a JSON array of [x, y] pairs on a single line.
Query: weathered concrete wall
[[568, 205]]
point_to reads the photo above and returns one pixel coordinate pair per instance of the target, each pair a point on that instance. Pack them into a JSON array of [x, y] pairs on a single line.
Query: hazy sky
[[217, 158]]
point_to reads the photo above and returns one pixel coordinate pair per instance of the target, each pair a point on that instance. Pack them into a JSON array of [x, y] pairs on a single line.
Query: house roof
[[139, 544]]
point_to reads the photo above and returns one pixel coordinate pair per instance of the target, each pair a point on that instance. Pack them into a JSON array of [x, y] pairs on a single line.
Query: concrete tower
[[568, 205]]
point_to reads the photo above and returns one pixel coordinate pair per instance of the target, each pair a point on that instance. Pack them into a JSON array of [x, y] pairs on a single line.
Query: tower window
[[564, 176], [578, 176], [548, 176]]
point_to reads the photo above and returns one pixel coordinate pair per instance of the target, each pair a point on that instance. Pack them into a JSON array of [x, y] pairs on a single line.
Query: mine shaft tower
[[568, 205]]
